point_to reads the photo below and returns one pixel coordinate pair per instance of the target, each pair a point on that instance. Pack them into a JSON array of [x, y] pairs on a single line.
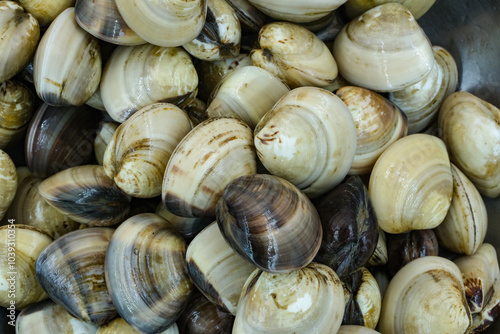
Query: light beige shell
[[20, 34], [95, 101], [353, 329], [102, 139], [411, 184], [119, 325], [470, 127], [420, 102], [464, 228], [308, 138], [373, 51], [137, 76], [8, 182], [380, 255], [418, 8], [295, 55], [139, 150], [187, 227], [45, 11]]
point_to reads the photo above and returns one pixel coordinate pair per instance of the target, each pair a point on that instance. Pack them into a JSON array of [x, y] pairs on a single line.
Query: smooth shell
[[8, 182], [45, 11], [251, 19], [102, 139], [120, 326], [187, 227], [354, 329], [418, 8]]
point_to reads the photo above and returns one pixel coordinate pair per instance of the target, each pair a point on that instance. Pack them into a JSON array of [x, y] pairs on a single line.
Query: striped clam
[[379, 256], [45, 11], [187, 227], [119, 325], [146, 273], [8, 182], [417, 8]]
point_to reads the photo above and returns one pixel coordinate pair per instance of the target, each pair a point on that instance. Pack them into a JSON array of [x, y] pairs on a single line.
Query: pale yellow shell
[[296, 10], [418, 8], [8, 182]]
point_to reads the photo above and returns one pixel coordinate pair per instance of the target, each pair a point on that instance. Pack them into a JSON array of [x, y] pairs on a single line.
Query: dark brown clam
[[59, 138], [268, 221], [349, 227]]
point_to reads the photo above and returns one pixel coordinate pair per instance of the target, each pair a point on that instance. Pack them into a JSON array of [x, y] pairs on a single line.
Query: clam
[[196, 111], [8, 182], [146, 273], [137, 76], [379, 123], [95, 101], [354, 329], [470, 127], [45, 11], [102, 19], [373, 51], [102, 139], [86, 195], [119, 325], [421, 101], [490, 311], [216, 269], [418, 8], [295, 55], [464, 227], [380, 255], [350, 229], [187, 227], [47, 317], [411, 184], [309, 300], [71, 271], [215, 152], [165, 23], [251, 19], [21, 245], [269, 222], [69, 78], [20, 35], [247, 93], [220, 36], [140, 148], [426, 296], [307, 138], [59, 138]]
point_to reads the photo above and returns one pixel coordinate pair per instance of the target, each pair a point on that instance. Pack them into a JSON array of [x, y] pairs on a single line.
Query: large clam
[[418, 8], [8, 182], [45, 11]]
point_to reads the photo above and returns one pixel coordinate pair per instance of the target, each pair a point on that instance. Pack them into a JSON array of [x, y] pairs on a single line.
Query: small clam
[[269, 222], [490, 311], [71, 271], [427, 297], [187, 227], [45, 11], [20, 246], [295, 55], [86, 195], [140, 148], [354, 329], [411, 184], [71, 77], [418, 8], [470, 127], [102, 139], [309, 300], [8, 182], [146, 273], [196, 110], [307, 138], [373, 51], [250, 17], [379, 256], [120, 326]]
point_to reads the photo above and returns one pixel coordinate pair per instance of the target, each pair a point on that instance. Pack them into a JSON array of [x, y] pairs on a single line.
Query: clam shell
[[251, 19], [418, 8], [269, 222], [309, 300], [216, 269], [373, 51], [411, 184], [379, 256], [187, 227], [354, 329], [140, 148], [470, 127], [20, 34], [119, 325], [102, 139], [146, 273], [215, 152], [86, 195], [71, 271], [67, 78], [21, 245], [137, 76], [489, 313], [45, 11], [307, 138], [196, 111], [8, 182]]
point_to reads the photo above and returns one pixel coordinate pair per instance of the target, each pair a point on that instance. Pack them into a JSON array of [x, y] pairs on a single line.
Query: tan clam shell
[[215, 152], [464, 228], [379, 123], [420, 102], [380, 255], [418, 8], [307, 138], [20, 247], [119, 325], [354, 329], [187, 227], [137, 76], [140, 148], [20, 35], [426, 296], [295, 55], [164, 23], [247, 93], [373, 51], [309, 300], [8, 182], [102, 139], [411, 184], [470, 127], [45, 11]]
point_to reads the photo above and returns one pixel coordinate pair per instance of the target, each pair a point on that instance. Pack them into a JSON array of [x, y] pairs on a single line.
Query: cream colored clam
[[119, 325], [295, 55], [380, 255], [353, 329], [308, 138], [426, 296], [45, 11], [470, 127], [139, 150], [411, 184], [376, 49], [102, 139], [248, 93], [166, 22], [8, 182], [418, 8], [464, 228]]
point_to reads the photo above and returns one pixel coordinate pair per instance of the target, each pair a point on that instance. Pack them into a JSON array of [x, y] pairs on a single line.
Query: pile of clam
[[244, 166]]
